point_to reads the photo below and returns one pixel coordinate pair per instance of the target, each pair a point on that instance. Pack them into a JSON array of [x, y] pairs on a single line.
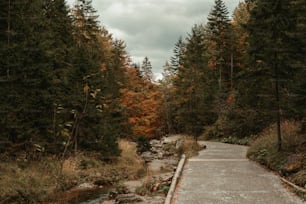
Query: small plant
[[87, 163], [236, 140], [143, 144]]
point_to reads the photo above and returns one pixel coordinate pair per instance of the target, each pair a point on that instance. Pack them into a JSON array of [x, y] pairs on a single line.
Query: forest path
[[221, 174]]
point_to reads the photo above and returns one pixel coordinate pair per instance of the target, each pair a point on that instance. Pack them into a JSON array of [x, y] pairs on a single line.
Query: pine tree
[[299, 86], [26, 73], [194, 93], [177, 59], [60, 48], [146, 69], [272, 52], [219, 50]]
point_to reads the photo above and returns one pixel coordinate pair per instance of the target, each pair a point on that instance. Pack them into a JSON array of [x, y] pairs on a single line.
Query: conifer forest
[[69, 87]]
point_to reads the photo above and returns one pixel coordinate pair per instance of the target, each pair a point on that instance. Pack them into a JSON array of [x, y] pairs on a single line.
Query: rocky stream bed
[[161, 162]]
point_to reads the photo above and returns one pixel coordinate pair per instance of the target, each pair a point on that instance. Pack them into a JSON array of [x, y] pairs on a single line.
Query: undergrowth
[[290, 162], [44, 180]]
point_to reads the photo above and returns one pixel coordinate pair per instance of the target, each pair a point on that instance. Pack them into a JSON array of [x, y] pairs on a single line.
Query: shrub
[[265, 150], [143, 144]]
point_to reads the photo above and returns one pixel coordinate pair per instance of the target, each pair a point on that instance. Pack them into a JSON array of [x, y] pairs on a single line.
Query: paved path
[[221, 174]]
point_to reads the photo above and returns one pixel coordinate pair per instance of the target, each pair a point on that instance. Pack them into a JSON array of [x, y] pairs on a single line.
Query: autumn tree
[[141, 101]]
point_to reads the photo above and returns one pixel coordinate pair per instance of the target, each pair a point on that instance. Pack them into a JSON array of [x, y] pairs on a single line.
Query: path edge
[[175, 179]]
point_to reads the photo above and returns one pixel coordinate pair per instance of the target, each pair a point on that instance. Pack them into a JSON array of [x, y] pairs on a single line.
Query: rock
[[160, 155], [86, 186], [172, 162], [112, 194], [132, 185], [128, 198], [168, 154], [171, 139], [165, 177], [155, 143], [179, 144], [153, 200], [147, 156], [156, 165]]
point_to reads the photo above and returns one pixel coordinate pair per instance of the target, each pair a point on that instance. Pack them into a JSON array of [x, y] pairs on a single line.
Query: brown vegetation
[[291, 161], [37, 181]]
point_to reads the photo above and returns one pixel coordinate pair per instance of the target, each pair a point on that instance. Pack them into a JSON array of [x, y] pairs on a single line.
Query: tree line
[[67, 84], [236, 76]]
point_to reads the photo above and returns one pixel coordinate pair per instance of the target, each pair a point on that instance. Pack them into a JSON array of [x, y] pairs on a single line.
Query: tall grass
[[38, 181], [265, 150]]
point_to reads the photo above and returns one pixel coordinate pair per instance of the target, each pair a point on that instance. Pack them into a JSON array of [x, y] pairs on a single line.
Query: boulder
[[147, 156], [166, 177]]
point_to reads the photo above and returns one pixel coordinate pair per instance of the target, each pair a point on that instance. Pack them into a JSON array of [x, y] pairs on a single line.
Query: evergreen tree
[[146, 69], [88, 82], [194, 93], [272, 51], [218, 28], [177, 59], [60, 48], [168, 108], [26, 72], [298, 88]]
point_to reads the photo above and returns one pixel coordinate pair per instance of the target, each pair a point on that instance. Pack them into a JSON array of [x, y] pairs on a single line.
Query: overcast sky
[[152, 27]]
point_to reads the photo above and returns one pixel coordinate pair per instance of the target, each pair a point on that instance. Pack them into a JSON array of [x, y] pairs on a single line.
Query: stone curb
[[175, 179], [297, 188]]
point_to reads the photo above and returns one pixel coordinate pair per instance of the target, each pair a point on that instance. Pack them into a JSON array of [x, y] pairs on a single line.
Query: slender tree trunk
[[54, 121], [232, 71], [277, 97], [8, 34], [220, 78]]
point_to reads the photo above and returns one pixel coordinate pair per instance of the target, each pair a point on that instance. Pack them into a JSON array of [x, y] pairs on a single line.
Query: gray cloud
[[152, 27]]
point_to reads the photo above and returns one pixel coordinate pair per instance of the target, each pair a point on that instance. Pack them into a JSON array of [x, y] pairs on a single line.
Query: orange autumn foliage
[[142, 101]]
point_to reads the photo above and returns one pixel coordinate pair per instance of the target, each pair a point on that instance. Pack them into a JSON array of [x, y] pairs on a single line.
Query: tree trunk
[[277, 97]]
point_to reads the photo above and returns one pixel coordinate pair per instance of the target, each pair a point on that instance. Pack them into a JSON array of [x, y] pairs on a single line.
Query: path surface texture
[[222, 174]]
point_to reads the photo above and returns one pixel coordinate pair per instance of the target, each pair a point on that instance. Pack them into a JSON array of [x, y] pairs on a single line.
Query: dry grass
[[291, 160], [129, 160], [190, 147], [29, 182], [32, 182], [266, 142]]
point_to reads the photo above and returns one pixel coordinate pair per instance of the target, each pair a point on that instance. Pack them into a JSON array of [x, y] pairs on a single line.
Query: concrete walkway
[[221, 174]]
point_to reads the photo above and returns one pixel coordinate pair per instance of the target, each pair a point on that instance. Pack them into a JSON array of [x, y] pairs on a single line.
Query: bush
[[236, 140], [265, 149], [190, 147], [143, 144]]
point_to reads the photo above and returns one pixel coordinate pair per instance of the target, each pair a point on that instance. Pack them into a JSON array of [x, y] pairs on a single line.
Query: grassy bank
[[37, 181], [290, 162]]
